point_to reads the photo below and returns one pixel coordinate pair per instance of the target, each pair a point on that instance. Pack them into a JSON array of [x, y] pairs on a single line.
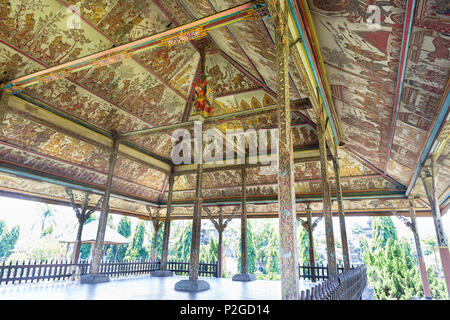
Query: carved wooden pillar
[[220, 226], [312, 260], [94, 276], [345, 253], [331, 251], [165, 247], [196, 227], [193, 284], [244, 251], [286, 183], [429, 184], [157, 224], [423, 269], [82, 214], [244, 275]]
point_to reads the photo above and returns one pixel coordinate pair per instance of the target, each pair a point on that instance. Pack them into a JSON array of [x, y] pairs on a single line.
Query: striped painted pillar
[[286, 183], [331, 251]]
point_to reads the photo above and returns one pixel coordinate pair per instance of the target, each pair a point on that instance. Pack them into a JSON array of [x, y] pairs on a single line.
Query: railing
[[348, 285], [316, 272], [204, 269], [62, 270]]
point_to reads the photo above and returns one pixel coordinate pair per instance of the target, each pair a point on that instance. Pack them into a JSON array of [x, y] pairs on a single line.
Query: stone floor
[[145, 288]]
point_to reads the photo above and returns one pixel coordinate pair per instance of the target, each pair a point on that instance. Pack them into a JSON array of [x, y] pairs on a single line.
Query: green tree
[[303, 245], [47, 220], [383, 229], [124, 229], [391, 267], [8, 239], [209, 253], [273, 262], [137, 250], [182, 247], [85, 248]]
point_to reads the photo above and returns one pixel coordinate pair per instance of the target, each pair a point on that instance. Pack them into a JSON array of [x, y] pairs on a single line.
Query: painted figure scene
[[224, 150]]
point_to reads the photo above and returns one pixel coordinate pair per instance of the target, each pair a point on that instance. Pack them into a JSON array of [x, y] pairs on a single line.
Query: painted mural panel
[[426, 76], [225, 78], [175, 65], [131, 20], [257, 44], [44, 30], [362, 68], [65, 96], [14, 65], [159, 144]]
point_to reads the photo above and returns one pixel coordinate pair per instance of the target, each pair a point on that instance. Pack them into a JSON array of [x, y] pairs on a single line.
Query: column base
[[245, 277], [94, 278], [162, 273], [192, 285]]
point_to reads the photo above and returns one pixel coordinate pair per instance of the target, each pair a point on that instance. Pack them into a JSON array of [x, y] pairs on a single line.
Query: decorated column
[[82, 213], [312, 260], [331, 251], [94, 276], [244, 275], [345, 253], [429, 184], [286, 183], [423, 269], [220, 226], [193, 284], [157, 224], [163, 272], [309, 227]]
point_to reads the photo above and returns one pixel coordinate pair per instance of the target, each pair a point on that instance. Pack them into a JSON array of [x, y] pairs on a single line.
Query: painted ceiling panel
[[14, 65], [425, 79], [225, 78], [65, 151], [44, 30], [361, 67], [175, 65], [65, 96], [131, 20], [159, 144], [256, 43]]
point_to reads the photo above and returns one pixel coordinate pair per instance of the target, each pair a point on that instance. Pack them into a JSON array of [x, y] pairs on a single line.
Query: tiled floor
[[145, 288]]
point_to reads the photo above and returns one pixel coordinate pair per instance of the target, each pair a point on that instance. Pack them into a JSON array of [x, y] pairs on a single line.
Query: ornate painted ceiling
[[386, 91]]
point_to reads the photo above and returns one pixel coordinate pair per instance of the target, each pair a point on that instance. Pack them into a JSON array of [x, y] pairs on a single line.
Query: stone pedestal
[[192, 285], [162, 273], [244, 277], [94, 278]]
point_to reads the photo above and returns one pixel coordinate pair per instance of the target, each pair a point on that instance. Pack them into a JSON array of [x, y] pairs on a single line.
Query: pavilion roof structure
[[89, 235], [72, 73]]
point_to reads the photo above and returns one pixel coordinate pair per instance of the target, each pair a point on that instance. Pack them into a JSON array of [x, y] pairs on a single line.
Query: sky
[[26, 214]]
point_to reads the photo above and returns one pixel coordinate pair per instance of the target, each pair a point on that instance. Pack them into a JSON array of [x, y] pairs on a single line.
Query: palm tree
[[47, 219], [432, 246]]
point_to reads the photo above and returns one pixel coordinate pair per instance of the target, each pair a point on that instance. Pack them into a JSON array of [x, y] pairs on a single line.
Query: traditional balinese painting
[[382, 141]]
